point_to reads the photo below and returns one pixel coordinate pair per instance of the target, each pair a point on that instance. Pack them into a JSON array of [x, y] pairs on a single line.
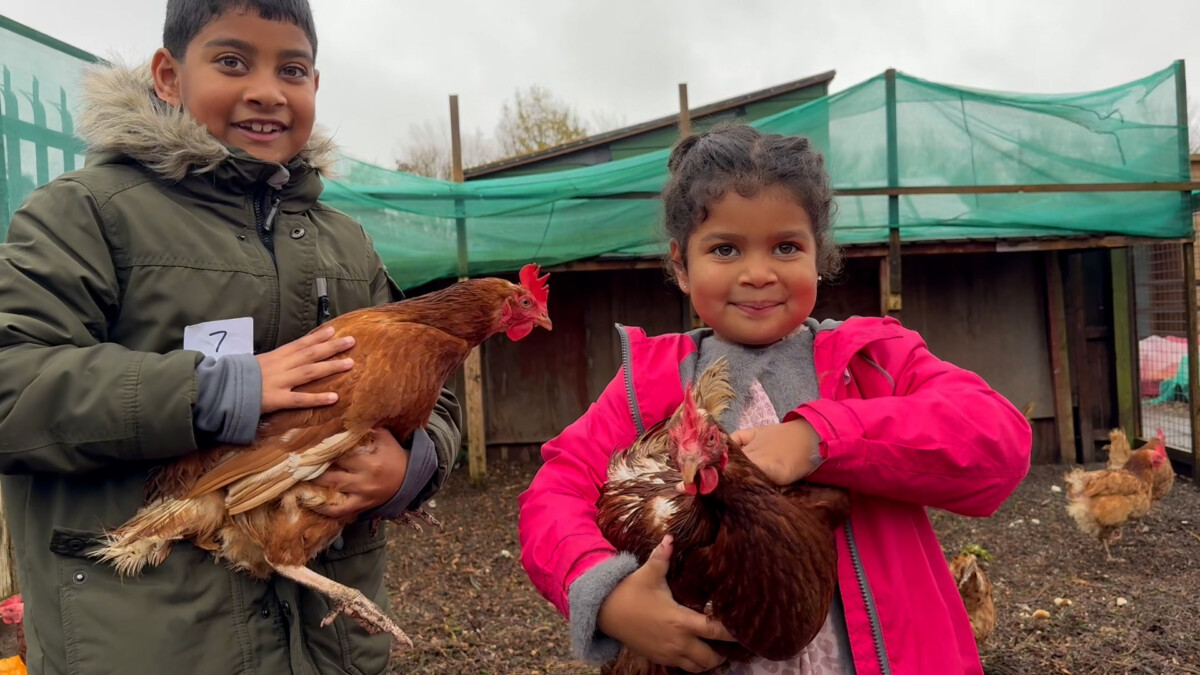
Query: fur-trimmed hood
[[123, 115]]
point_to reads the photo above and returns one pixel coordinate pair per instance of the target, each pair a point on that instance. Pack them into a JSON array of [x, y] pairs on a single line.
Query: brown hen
[[727, 517], [252, 506]]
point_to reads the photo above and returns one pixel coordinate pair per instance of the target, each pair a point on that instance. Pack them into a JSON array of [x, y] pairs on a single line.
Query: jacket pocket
[[356, 559], [172, 618]]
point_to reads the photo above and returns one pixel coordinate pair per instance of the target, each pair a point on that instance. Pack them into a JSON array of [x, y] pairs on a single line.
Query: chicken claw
[[410, 518], [345, 600]]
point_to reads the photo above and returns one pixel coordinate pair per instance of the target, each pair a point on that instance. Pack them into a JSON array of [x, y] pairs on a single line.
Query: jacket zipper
[[263, 224], [869, 600], [634, 410], [322, 300]]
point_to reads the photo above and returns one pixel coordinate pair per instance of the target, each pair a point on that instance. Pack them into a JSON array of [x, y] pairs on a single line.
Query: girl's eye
[[788, 249], [724, 251], [296, 72]]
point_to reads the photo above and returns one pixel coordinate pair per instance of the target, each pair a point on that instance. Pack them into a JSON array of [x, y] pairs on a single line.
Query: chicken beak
[[688, 466], [544, 322]]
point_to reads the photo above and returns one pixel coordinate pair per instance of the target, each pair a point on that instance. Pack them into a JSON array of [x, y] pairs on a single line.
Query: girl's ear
[[679, 267], [165, 69]]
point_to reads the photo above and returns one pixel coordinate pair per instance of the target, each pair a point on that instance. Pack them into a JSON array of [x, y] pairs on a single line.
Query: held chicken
[[685, 477], [1102, 501], [976, 590], [252, 506]]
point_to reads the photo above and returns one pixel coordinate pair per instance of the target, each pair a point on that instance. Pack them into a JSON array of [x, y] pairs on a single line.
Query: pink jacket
[[900, 428]]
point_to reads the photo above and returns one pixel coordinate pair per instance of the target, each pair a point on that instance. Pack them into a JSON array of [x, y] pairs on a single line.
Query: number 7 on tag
[[221, 338]]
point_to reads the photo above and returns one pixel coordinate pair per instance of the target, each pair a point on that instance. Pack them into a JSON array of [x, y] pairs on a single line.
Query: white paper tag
[[218, 338]]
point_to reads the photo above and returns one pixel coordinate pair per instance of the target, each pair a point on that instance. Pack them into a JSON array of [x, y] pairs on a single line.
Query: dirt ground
[[462, 596]]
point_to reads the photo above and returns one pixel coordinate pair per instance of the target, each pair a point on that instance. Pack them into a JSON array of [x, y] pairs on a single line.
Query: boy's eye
[[294, 71], [231, 62], [724, 251]]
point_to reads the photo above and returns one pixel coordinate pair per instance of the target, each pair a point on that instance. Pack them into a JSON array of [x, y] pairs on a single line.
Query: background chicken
[[251, 506], [728, 513], [1119, 453], [1101, 502], [976, 590]]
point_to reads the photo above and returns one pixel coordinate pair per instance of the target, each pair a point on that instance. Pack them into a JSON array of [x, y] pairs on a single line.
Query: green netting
[[943, 136]]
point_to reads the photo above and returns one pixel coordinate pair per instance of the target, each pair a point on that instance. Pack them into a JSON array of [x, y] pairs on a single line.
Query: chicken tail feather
[[146, 539]]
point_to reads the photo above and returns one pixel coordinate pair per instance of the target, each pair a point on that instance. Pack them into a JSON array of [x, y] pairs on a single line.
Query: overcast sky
[[387, 65]]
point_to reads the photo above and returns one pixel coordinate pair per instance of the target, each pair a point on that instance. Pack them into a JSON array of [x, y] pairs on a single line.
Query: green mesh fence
[[885, 132]]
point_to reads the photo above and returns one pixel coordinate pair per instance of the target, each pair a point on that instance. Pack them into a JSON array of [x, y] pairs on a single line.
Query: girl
[[860, 404]]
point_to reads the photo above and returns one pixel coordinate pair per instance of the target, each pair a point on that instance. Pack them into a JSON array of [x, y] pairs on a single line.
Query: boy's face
[[249, 81]]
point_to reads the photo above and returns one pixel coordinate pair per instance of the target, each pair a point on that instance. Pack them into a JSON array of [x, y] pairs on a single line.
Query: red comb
[[534, 284], [691, 415], [1162, 438]]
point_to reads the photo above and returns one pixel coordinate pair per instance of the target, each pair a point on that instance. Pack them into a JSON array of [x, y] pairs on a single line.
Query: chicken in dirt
[[253, 507], [976, 590], [686, 478], [1103, 501], [1119, 453]]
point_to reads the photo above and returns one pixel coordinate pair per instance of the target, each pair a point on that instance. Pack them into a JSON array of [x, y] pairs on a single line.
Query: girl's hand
[[641, 614], [298, 363], [784, 452], [367, 477]]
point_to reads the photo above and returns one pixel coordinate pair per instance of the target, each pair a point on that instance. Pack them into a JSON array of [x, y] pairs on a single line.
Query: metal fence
[[1161, 316]]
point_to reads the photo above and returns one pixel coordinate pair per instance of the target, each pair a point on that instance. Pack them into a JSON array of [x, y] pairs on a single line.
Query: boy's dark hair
[[706, 167], [186, 18]]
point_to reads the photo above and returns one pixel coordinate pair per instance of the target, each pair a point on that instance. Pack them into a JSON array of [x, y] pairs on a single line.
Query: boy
[[136, 293]]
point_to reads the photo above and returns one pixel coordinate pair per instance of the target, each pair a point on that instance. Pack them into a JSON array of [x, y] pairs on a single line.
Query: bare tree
[[427, 152], [536, 120]]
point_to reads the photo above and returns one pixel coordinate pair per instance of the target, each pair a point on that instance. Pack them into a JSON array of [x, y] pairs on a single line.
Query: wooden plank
[[473, 367], [1124, 344], [1152, 186], [1004, 246], [1081, 382], [685, 113], [1193, 333], [594, 265], [1060, 361]]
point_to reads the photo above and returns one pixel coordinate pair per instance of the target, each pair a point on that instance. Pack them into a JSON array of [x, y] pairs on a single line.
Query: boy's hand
[[298, 363], [641, 614], [367, 477], [783, 451]]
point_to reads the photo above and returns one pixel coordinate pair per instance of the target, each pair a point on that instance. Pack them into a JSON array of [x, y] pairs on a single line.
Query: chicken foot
[[412, 519], [346, 601]]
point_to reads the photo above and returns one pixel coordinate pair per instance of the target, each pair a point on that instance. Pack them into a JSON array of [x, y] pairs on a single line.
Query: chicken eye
[[526, 303], [712, 436]]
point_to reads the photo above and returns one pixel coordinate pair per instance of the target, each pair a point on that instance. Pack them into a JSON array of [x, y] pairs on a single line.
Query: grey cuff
[[229, 397], [584, 598], [422, 463]]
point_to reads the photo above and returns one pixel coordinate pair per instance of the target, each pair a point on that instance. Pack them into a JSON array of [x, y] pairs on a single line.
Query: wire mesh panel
[[1161, 311]]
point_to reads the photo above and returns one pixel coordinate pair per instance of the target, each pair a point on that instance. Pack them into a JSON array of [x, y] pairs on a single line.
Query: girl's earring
[[819, 277]]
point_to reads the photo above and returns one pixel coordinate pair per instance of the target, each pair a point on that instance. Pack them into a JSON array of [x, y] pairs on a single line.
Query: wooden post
[[1189, 266], [1124, 344], [1060, 362], [1193, 333], [473, 368], [889, 273], [685, 129], [685, 113]]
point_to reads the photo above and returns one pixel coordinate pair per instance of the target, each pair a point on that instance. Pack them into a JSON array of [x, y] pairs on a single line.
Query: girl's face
[[751, 267]]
